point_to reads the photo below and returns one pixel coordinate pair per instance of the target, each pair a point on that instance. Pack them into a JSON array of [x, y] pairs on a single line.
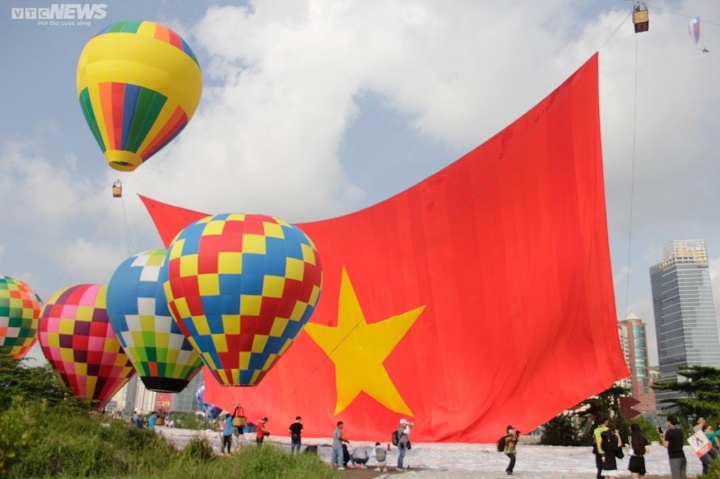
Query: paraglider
[[19, 312], [139, 315], [77, 339], [641, 17], [694, 29], [241, 287], [139, 84]]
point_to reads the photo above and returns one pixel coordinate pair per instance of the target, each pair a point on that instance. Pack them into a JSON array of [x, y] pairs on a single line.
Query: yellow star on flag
[[359, 349]]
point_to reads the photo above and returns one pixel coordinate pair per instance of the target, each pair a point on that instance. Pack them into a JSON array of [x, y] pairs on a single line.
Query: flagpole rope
[[441, 233]]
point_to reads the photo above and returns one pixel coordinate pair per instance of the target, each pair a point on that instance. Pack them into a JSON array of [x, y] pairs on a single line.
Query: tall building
[[134, 396], [685, 322], [634, 344]]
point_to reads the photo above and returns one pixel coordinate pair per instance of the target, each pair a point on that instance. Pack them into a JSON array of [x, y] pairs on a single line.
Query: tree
[[606, 404], [648, 429], [560, 431], [29, 384], [700, 391]]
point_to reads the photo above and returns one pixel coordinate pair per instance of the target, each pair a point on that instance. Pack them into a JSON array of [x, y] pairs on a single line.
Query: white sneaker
[[377, 469], [341, 468], [384, 469]]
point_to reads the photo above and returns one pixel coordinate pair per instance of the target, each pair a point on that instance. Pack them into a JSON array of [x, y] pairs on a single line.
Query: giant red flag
[[480, 297]]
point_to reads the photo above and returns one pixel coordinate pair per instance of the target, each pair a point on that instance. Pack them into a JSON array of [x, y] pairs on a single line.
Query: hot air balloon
[[210, 411], [79, 342], [19, 312], [139, 315], [694, 29], [241, 287], [139, 84]]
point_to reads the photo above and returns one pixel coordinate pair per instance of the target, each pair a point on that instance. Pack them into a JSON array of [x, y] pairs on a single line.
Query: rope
[[82, 245], [46, 218], [632, 183], [127, 230]]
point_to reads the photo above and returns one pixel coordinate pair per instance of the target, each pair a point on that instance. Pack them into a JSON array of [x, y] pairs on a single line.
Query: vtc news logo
[[61, 11]]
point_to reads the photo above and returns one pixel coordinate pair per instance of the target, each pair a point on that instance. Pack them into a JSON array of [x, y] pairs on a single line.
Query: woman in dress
[[611, 444], [638, 444]]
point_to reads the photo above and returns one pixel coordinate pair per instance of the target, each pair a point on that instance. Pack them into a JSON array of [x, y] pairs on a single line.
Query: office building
[[685, 322]]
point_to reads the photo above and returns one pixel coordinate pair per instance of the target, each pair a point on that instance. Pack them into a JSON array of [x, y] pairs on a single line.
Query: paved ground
[[473, 461]]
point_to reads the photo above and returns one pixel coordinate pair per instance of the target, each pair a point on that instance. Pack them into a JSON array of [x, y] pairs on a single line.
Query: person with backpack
[[403, 441], [509, 442], [612, 449]]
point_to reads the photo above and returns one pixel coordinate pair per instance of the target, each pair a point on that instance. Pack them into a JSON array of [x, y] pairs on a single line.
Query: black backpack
[[501, 444], [395, 438]]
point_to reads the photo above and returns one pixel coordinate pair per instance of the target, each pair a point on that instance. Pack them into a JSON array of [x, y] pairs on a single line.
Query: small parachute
[[641, 17], [694, 29]]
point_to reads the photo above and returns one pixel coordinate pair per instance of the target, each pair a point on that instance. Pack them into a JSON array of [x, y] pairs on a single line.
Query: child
[[380, 456]]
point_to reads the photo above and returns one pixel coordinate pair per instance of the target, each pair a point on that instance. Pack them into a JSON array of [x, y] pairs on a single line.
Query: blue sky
[[313, 109]]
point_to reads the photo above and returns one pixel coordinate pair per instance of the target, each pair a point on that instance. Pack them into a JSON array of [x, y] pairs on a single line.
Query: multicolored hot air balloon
[[19, 312], [241, 287], [140, 317], [139, 84], [211, 412], [79, 342], [694, 29]]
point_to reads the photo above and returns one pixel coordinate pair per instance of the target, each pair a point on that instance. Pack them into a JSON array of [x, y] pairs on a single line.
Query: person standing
[[295, 430], [673, 441], [638, 444], [151, 421], [712, 454], [403, 441], [601, 427], [227, 433], [611, 445], [261, 432], [511, 439], [337, 450]]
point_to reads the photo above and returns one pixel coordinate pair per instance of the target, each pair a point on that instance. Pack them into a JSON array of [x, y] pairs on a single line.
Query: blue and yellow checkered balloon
[[241, 287], [139, 315]]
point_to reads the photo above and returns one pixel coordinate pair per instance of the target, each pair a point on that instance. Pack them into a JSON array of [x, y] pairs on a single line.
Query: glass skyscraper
[[685, 322]]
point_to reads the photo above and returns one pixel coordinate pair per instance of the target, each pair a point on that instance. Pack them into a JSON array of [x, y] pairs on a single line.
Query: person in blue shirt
[[227, 433], [151, 421]]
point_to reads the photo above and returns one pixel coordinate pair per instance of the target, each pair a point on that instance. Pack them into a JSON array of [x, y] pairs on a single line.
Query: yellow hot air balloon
[[138, 84]]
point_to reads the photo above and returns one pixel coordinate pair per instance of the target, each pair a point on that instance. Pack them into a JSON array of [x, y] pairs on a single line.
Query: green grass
[[67, 444]]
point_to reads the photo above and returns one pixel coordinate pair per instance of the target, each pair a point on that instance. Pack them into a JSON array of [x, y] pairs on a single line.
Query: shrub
[[17, 434]]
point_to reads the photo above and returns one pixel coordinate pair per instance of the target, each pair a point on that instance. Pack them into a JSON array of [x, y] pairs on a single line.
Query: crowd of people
[[608, 447], [234, 425]]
